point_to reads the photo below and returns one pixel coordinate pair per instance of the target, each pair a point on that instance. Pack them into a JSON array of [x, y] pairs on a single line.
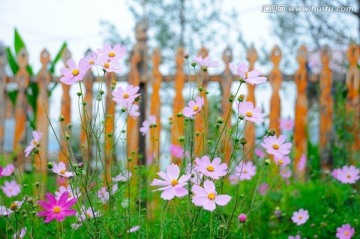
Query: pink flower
[[1, 169], [206, 62], [193, 107], [5, 211], [259, 153], [88, 213], [11, 189], [295, 237], [283, 161], [171, 185], [242, 218], [345, 232], [302, 162], [176, 151], [20, 234], [68, 189], [286, 124], [249, 112], [196, 176], [16, 205], [300, 217], [122, 177], [57, 209], [132, 110], [207, 197], [214, 169], [263, 188], [243, 171], [8, 170], [127, 95], [60, 169], [103, 195], [73, 73], [109, 65], [147, 124], [276, 146], [347, 174], [285, 172], [252, 77], [91, 59], [34, 143], [133, 229], [115, 53]]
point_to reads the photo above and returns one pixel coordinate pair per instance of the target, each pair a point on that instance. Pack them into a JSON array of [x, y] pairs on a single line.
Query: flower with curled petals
[[251, 77]]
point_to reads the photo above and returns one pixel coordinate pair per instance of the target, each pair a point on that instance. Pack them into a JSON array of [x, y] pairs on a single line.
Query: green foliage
[[12, 61]]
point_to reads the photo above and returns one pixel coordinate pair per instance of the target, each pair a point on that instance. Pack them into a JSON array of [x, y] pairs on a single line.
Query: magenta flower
[[34, 143], [243, 171], [302, 162], [345, 232], [73, 73], [283, 161], [147, 124], [300, 217], [286, 124], [206, 62], [109, 65], [57, 209], [20, 234], [11, 189], [242, 218], [193, 107], [295, 237], [176, 151], [252, 77], [127, 95], [103, 195], [348, 174], [214, 169], [207, 197], [259, 153], [276, 146], [249, 112], [112, 53], [8, 170], [171, 185], [71, 194], [1, 169], [60, 169]]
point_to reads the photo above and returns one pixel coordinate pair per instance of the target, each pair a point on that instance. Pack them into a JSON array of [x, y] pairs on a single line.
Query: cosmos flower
[[242, 70], [8, 170], [109, 65], [68, 189], [300, 217], [249, 112], [112, 53], [171, 185], [276, 146], [193, 107], [214, 169], [147, 124], [87, 214], [34, 143], [122, 177], [60, 169], [345, 232], [243, 171], [125, 96], [57, 209], [286, 124], [73, 73], [11, 189], [283, 161], [176, 151], [206, 62], [20, 234], [103, 195], [207, 196], [347, 174]]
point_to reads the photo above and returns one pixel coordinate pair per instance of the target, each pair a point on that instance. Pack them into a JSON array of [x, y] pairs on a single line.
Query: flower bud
[[267, 161], [50, 165], [79, 94], [61, 118], [241, 98], [243, 141], [242, 218], [193, 64]]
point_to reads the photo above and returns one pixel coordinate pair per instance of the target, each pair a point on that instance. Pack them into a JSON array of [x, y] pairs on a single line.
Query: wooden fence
[[139, 74]]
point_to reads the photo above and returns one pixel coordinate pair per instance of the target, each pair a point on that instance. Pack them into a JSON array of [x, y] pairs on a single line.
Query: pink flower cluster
[[125, 98], [277, 147], [346, 174]]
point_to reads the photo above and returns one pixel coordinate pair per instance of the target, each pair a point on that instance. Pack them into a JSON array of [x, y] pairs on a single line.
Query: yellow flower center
[[111, 54], [88, 215], [280, 161], [211, 196], [126, 95], [249, 114], [62, 171], [106, 65], [300, 217], [34, 142], [348, 176], [244, 171], [56, 209], [346, 233], [246, 75], [75, 72], [195, 108], [91, 61], [13, 206], [276, 146], [174, 182], [210, 168]]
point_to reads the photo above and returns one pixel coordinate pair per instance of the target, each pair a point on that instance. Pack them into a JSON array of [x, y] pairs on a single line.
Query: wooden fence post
[[225, 85], [275, 79], [155, 107], [301, 108], [21, 107], [250, 128], [326, 110], [177, 128], [43, 80], [2, 96], [353, 100]]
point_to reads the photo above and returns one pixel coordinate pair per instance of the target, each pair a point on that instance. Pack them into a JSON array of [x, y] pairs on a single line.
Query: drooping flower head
[[112, 53], [11, 189], [283, 161], [286, 124], [243, 171], [60, 169], [300, 217], [242, 70], [73, 73], [34, 143], [345, 232], [122, 177], [276, 146], [71, 193], [57, 209], [8, 170], [207, 196], [214, 169], [249, 112], [147, 124], [171, 185], [193, 107], [206, 62]]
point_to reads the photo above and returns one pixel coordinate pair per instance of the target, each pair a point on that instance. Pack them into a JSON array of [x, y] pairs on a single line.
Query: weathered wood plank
[[275, 80]]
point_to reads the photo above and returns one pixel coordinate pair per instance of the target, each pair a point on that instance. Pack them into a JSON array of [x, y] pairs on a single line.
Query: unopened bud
[[241, 98], [267, 161], [50, 165]]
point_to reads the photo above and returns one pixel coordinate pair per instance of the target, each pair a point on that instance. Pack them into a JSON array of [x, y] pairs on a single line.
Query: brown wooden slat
[[275, 80]]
